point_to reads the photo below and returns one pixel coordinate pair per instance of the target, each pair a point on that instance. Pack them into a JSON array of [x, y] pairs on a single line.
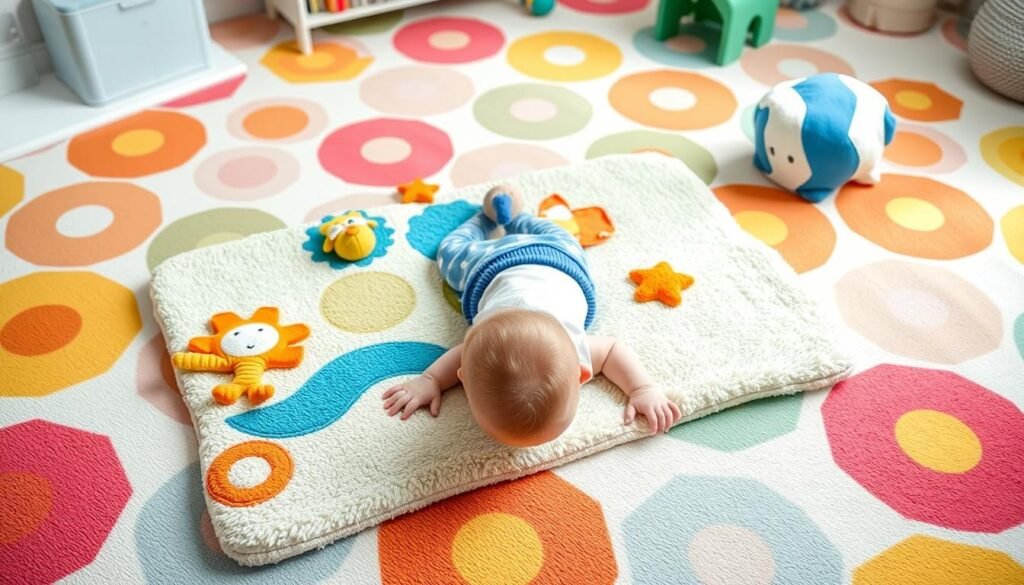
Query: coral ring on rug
[[218, 478]]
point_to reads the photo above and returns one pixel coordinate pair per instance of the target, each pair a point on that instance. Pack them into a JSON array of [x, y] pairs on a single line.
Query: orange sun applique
[[418, 192], [246, 348], [660, 283]]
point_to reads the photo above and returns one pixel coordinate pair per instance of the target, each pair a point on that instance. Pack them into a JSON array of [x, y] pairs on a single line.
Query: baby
[[529, 298]]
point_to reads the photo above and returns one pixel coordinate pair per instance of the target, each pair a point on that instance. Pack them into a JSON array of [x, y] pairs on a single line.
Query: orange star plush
[[418, 192], [660, 283]]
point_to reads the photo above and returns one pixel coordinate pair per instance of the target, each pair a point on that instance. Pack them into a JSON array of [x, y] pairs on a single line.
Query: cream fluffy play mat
[[320, 460]]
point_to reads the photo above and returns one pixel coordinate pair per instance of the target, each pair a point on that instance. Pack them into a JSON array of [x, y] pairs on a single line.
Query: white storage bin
[[108, 49]]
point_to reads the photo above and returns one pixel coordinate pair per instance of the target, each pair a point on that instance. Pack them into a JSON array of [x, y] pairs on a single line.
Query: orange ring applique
[[148, 142], [218, 480], [916, 216], [631, 97]]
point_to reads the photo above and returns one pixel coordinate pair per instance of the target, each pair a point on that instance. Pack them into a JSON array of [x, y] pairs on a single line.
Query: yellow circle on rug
[[139, 142], [914, 100], [915, 214], [368, 302], [1003, 150], [767, 227], [1013, 232], [938, 441], [497, 548], [539, 56]]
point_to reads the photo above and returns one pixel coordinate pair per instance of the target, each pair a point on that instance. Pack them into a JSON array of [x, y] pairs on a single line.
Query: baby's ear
[[458, 374]]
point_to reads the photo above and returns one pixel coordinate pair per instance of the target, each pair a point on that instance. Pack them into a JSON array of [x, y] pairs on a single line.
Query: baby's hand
[[651, 402], [407, 397]]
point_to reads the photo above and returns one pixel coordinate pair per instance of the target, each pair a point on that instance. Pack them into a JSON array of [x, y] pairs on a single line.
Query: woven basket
[[995, 47]]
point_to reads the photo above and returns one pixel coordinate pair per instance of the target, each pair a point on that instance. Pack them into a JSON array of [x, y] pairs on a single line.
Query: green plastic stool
[[736, 18]]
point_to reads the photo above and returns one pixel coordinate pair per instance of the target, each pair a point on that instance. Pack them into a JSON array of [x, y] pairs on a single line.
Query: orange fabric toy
[[660, 283], [418, 192], [247, 348], [590, 225]]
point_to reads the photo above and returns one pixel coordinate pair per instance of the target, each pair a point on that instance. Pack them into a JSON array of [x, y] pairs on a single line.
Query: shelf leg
[[305, 39]]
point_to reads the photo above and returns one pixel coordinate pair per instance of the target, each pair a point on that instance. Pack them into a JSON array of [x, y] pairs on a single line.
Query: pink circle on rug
[[790, 19], [342, 153], [766, 64], [501, 161], [416, 90], [449, 40], [87, 492], [861, 416], [155, 382], [247, 174], [605, 6]]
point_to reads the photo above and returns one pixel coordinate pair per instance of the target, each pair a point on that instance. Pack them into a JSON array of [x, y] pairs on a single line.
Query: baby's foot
[[227, 393]]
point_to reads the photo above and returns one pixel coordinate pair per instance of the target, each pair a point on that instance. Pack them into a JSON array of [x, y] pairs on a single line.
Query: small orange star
[[418, 192], [660, 283]]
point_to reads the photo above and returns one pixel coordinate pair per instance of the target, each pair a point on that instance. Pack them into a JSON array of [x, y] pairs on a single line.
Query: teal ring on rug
[[329, 393], [174, 545], [691, 516], [315, 243]]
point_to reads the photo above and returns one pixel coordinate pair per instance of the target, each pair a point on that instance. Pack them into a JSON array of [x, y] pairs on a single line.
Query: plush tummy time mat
[[314, 458]]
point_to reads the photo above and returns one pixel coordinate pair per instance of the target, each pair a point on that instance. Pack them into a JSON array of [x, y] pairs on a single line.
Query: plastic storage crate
[[106, 50]]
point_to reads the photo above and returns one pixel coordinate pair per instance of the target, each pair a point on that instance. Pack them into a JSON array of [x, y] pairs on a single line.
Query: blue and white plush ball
[[812, 135]]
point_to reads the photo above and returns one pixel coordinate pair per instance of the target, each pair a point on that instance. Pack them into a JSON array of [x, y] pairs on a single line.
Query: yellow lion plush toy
[[247, 348]]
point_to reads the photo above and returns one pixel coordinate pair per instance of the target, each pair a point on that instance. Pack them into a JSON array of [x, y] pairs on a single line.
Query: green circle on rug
[[743, 426], [532, 111], [692, 154], [207, 228], [368, 302], [367, 25]]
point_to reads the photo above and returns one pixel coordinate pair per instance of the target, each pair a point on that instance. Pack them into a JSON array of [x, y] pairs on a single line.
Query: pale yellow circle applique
[[368, 302]]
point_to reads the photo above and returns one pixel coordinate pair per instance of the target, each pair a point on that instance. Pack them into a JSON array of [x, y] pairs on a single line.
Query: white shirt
[[541, 288]]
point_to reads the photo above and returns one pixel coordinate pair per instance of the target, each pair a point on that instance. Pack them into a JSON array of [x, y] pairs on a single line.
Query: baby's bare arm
[[426, 388], [623, 367], [618, 363]]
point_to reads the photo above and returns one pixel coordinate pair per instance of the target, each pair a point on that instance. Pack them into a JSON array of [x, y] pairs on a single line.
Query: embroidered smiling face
[[250, 339]]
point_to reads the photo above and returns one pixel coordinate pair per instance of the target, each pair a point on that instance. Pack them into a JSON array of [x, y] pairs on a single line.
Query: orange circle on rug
[[275, 122], [59, 328], [40, 330], [636, 97], [32, 232], [917, 100], [148, 142], [218, 479], [916, 216], [531, 530], [25, 502], [797, 229]]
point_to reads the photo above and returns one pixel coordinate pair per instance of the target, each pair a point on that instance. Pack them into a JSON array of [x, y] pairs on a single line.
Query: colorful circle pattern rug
[[905, 473]]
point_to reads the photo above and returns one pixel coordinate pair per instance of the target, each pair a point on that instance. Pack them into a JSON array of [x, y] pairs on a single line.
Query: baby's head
[[522, 377]]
